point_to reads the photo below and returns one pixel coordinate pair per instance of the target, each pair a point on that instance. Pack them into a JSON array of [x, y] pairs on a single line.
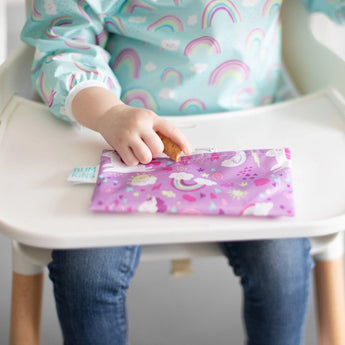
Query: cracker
[[171, 149]]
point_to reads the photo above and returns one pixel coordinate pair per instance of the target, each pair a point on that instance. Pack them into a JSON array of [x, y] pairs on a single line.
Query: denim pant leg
[[276, 278], [90, 288]]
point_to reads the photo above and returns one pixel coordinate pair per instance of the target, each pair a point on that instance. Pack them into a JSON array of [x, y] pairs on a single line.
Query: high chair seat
[[40, 210]]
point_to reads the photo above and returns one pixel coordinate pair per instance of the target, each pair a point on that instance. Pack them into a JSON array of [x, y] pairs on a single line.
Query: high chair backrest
[[310, 64]]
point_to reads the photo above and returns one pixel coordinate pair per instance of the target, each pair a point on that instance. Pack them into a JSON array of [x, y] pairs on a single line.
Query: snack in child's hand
[[171, 149]]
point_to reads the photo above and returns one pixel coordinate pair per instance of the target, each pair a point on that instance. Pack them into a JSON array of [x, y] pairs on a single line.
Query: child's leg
[[90, 288], [276, 278]]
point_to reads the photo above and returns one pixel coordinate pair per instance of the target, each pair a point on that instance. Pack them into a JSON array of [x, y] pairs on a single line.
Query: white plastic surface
[[3, 31], [40, 208]]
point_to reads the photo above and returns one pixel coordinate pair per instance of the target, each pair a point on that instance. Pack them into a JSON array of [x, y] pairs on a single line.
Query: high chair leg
[[26, 309], [330, 294]]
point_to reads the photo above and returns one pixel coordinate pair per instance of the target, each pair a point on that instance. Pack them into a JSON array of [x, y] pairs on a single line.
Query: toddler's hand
[[132, 133]]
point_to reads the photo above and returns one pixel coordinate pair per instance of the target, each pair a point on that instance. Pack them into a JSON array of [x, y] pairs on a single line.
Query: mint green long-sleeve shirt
[[171, 56]]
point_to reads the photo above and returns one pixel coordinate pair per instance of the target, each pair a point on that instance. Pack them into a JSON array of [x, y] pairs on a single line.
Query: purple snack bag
[[236, 183]]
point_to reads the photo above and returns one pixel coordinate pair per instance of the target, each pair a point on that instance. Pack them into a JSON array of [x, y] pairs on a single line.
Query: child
[[115, 66]]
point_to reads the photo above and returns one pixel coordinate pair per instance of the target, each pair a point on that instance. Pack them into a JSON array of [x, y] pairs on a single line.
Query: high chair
[[39, 210]]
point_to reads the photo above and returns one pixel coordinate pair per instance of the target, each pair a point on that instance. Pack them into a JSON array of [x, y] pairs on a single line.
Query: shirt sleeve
[[334, 9], [69, 38]]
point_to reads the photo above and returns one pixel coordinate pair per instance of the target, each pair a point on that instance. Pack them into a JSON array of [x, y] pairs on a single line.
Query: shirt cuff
[[75, 90]]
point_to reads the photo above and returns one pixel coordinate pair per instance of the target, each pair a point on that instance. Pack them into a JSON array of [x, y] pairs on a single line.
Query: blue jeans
[[90, 288]]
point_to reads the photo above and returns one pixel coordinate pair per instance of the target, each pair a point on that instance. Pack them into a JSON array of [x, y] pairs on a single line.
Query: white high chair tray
[[39, 207]]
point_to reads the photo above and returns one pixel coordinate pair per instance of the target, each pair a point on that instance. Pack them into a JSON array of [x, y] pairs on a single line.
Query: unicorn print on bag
[[116, 165]]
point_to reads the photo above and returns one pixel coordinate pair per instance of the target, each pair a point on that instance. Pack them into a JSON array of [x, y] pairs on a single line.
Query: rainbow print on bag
[[128, 57], [256, 185], [215, 6], [232, 68], [208, 43]]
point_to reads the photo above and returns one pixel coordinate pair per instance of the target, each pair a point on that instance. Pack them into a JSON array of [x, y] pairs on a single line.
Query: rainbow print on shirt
[[271, 7], [231, 68], [128, 57], [208, 43], [173, 23], [192, 105], [47, 94], [58, 21], [215, 6], [171, 74], [129, 6], [141, 95], [35, 16], [113, 21]]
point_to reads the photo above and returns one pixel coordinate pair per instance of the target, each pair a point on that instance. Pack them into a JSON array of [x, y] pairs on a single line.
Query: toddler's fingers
[[153, 142], [141, 151], [128, 156], [173, 133]]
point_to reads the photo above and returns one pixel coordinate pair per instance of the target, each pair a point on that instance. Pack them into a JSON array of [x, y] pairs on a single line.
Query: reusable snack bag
[[234, 183]]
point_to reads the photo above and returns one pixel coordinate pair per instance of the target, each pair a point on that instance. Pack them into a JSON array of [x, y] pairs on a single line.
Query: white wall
[[202, 309]]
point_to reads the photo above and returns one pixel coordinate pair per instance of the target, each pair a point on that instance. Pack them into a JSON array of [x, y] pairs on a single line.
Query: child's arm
[[130, 131], [69, 37], [71, 70]]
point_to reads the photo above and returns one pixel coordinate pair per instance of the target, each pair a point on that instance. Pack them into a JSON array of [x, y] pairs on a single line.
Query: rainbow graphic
[[248, 210], [130, 58], [35, 15], [59, 21], [180, 184], [219, 5], [254, 38], [205, 42], [48, 95], [73, 81], [192, 105], [141, 95], [245, 93], [55, 55], [113, 21], [177, 2], [267, 100], [130, 5], [77, 43], [101, 38], [231, 68], [172, 74], [273, 72], [85, 67], [34, 70], [83, 6], [110, 83], [271, 7], [173, 23]]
